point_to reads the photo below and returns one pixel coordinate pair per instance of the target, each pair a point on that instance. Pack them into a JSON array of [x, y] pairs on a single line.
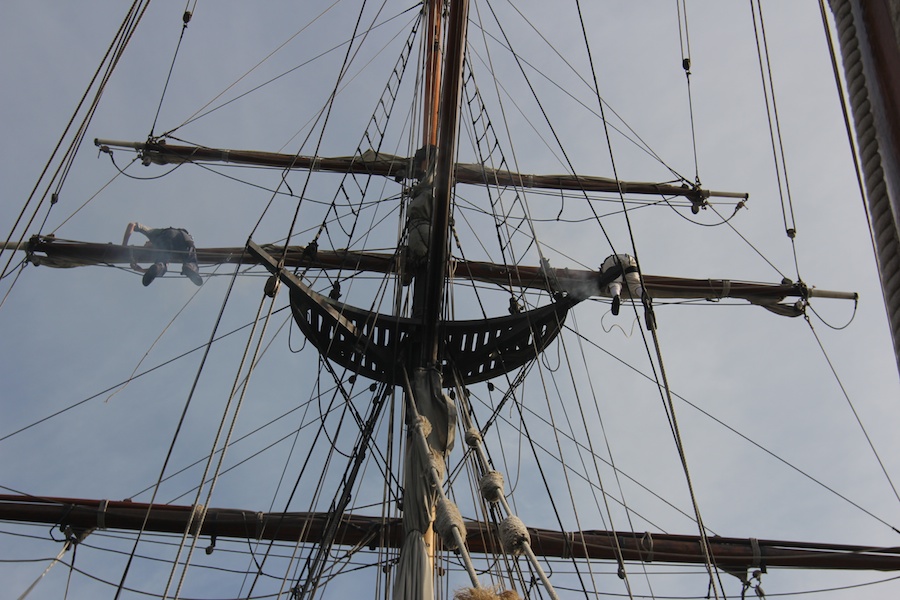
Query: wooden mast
[[431, 113], [435, 269], [433, 53], [425, 400]]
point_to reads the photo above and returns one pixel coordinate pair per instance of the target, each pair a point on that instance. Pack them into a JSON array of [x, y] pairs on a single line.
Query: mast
[[553, 543], [433, 51], [448, 130], [871, 55], [430, 413]]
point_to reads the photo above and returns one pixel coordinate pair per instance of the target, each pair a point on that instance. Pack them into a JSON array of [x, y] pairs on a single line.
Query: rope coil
[[491, 486], [446, 519], [473, 437], [424, 426], [514, 535]]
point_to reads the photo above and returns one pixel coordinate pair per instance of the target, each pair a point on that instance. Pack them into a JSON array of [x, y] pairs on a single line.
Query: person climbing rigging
[[177, 244], [628, 275]]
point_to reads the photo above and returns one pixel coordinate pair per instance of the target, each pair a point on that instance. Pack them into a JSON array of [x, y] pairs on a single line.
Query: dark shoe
[[155, 270], [190, 271], [615, 305]]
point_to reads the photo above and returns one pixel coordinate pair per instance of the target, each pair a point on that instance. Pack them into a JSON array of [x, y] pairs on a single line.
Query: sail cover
[[433, 417]]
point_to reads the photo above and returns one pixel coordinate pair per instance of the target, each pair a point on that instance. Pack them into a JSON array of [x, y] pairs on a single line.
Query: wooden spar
[[433, 53], [388, 165], [353, 530], [55, 252]]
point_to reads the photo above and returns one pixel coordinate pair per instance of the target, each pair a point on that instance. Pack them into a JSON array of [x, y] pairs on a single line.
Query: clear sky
[[774, 448]]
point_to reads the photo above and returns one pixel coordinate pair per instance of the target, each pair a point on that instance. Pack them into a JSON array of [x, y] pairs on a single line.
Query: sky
[[776, 447]]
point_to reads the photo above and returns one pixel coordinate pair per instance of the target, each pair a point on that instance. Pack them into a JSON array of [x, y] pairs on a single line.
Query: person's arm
[[132, 227], [128, 230]]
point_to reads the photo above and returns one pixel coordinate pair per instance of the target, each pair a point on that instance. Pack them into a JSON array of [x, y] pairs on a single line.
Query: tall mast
[[433, 51], [431, 414], [436, 266]]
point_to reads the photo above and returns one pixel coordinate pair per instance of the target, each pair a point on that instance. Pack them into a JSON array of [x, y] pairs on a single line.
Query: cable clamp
[[260, 525], [647, 546], [101, 514]]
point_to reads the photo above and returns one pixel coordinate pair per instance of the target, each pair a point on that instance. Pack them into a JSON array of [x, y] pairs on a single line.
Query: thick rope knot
[[438, 464], [446, 519], [473, 437], [491, 486], [513, 535], [424, 425]]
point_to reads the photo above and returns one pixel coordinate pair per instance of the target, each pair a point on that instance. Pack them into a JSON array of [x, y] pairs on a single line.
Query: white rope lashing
[[448, 522], [455, 529], [514, 535], [491, 486]]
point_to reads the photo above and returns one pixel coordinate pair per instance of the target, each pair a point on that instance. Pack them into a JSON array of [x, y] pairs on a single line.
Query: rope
[[110, 59], [514, 535], [684, 40], [666, 390], [748, 242], [491, 486], [540, 105], [848, 126], [175, 436], [614, 537], [631, 135], [446, 520], [195, 523], [747, 439], [198, 114], [648, 308], [374, 135], [58, 558], [311, 459], [881, 220], [417, 427], [647, 303], [852, 408], [784, 188], [185, 19]]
